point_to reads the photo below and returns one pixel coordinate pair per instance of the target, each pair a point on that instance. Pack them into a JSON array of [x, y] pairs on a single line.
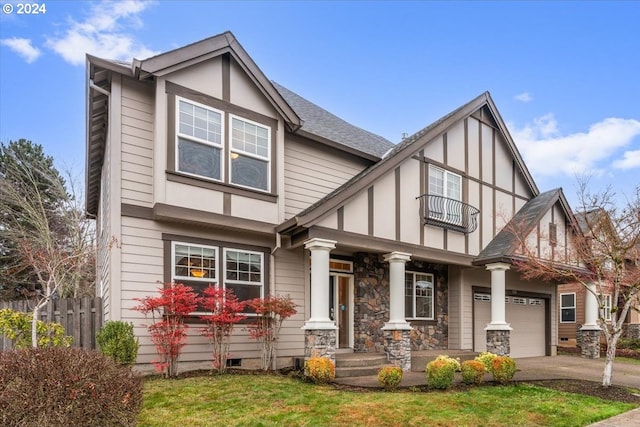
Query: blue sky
[[565, 76]]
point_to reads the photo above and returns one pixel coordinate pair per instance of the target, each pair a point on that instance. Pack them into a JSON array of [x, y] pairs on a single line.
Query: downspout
[[272, 279]]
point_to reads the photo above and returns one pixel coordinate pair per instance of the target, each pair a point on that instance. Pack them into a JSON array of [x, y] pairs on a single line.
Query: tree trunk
[[611, 355], [34, 326]]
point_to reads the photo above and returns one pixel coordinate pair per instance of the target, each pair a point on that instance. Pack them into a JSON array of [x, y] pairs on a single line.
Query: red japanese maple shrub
[[168, 330], [225, 311], [270, 313]]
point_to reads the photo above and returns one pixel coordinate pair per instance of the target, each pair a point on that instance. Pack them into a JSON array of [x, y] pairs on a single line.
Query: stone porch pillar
[[320, 330], [397, 340], [590, 330], [498, 330]]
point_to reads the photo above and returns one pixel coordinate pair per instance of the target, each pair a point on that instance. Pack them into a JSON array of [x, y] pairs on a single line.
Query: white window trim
[[605, 311], [444, 216], [244, 153], [575, 310], [179, 135], [223, 260], [219, 278], [413, 298]]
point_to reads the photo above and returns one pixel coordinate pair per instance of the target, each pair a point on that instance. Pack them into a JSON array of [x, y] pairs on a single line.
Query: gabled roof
[[503, 246], [320, 125], [398, 154], [318, 122]]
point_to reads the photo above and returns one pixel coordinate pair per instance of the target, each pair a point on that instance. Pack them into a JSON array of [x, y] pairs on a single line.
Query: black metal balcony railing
[[448, 213]]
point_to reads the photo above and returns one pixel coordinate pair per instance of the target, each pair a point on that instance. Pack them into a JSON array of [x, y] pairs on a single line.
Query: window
[[568, 308], [219, 146], [418, 293], [199, 140], [249, 154], [198, 266], [553, 234], [605, 310], [445, 184]]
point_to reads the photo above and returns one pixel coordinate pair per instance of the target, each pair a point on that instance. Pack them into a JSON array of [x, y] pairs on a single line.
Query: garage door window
[[568, 308]]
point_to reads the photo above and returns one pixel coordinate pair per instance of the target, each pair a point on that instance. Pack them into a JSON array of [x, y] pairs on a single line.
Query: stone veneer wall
[[371, 305]]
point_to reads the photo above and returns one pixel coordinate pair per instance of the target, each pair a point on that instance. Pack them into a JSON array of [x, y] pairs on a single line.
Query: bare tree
[[47, 237], [603, 255]]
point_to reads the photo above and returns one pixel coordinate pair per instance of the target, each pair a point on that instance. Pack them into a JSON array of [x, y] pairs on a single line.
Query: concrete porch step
[[359, 364]]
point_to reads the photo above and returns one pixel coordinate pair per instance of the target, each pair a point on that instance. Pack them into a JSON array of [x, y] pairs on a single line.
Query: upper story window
[[250, 154], [200, 140], [568, 308], [419, 292], [219, 146], [447, 185]]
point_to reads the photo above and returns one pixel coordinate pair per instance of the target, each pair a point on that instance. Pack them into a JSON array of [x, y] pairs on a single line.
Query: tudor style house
[[201, 170]]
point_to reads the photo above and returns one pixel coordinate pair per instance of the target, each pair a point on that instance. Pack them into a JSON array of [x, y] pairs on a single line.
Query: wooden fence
[[80, 317]]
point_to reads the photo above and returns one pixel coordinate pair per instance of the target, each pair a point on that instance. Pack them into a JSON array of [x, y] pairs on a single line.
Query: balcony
[[448, 213]]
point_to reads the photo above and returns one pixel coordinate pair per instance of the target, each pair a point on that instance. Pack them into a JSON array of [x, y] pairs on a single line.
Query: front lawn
[[266, 400]]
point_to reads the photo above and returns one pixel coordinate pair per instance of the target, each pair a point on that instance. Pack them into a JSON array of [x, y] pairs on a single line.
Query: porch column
[[320, 330], [498, 330], [397, 339], [590, 330]]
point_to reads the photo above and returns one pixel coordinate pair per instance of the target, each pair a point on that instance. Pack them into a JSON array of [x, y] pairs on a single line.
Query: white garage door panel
[[525, 315]]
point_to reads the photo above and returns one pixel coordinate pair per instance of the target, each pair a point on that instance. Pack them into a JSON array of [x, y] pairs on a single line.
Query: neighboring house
[[196, 162], [572, 296]]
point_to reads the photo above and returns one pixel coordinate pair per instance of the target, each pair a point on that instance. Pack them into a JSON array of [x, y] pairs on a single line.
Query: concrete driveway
[[558, 367]]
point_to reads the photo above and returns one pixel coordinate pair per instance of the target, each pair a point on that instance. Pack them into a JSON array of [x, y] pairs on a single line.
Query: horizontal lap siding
[[311, 173], [289, 277], [137, 144]]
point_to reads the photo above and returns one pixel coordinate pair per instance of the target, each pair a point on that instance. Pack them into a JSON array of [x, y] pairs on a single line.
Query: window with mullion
[[445, 184], [194, 265], [605, 309], [568, 308], [244, 273], [250, 154], [419, 296], [199, 139]]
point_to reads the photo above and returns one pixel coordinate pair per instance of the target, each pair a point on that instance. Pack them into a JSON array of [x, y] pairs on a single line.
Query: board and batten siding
[[311, 172], [137, 143], [388, 208]]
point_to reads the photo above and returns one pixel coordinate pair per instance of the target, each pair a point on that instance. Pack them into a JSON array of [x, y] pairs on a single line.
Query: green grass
[[265, 400]]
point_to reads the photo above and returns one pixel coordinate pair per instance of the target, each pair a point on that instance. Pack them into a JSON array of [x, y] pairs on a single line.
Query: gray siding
[[137, 143], [311, 173]]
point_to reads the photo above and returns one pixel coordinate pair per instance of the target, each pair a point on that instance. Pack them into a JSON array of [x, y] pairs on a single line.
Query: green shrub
[[441, 371], [117, 340], [60, 386], [629, 343], [503, 369], [16, 326], [389, 377], [486, 358], [320, 370], [472, 372]]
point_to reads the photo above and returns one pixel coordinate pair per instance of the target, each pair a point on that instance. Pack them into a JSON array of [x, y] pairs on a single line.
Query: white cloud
[[631, 160], [104, 33], [22, 47], [549, 153], [524, 97]]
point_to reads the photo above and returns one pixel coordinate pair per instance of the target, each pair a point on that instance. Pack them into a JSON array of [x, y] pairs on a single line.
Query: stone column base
[[499, 342], [320, 343], [397, 347], [590, 343]]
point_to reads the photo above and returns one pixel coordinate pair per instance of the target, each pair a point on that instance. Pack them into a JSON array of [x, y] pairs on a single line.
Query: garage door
[[525, 315]]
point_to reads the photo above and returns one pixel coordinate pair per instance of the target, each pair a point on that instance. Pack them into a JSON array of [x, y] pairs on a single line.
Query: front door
[[341, 307]]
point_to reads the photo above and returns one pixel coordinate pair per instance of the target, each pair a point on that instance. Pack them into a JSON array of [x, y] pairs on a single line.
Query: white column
[[397, 261], [319, 316], [498, 273], [591, 310]]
